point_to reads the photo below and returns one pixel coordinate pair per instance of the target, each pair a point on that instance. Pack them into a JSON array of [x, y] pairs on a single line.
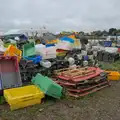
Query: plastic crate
[[23, 96], [86, 57], [29, 49], [10, 80], [60, 52], [50, 45], [9, 64], [35, 59], [113, 57], [51, 41], [106, 57], [13, 51], [119, 50], [107, 43], [113, 75], [100, 55], [67, 39], [48, 86]]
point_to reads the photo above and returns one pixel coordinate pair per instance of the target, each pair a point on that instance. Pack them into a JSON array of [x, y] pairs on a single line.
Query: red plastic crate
[[9, 64], [119, 50], [60, 50]]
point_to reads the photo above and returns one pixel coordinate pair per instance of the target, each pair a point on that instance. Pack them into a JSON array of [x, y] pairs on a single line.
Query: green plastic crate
[[48, 86], [29, 49], [2, 100]]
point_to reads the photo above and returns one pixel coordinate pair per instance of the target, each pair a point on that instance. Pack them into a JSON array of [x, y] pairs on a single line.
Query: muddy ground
[[102, 105]]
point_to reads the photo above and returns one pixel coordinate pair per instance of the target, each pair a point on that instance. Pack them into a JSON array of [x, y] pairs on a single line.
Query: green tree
[[112, 31]]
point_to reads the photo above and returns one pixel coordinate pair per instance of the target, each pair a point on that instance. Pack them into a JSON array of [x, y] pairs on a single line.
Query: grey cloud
[[60, 14]]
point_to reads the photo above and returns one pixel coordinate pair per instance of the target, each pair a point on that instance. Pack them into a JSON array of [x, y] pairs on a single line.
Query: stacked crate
[[107, 57], [81, 81], [27, 70]]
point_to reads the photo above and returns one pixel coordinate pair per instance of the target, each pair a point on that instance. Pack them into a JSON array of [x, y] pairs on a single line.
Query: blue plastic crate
[[35, 59], [107, 43], [50, 45], [86, 57], [67, 39]]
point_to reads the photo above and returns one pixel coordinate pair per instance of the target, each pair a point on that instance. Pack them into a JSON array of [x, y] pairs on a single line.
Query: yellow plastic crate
[[61, 54], [25, 103], [52, 41], [113, 75], [13, 51], [23, 96]]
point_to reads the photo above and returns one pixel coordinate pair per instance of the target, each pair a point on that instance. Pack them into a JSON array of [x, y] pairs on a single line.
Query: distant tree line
[[95, 34], [110, 32]]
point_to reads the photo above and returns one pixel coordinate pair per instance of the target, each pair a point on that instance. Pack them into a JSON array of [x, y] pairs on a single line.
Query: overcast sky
[[59, 15]]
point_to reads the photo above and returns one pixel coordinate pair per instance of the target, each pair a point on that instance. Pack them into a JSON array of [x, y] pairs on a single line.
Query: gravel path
[[102, 105]]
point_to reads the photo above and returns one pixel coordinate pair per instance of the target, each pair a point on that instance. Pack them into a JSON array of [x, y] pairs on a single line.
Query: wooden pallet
[[88, 88], [84, 82], [87, 93], [69, 70], [78, 73], [75, 73], [77, 79]]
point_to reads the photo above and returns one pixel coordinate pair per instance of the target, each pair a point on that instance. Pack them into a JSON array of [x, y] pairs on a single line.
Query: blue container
[[67, 39], [86, 57], [35, 59], [107, 43], [50, 45]]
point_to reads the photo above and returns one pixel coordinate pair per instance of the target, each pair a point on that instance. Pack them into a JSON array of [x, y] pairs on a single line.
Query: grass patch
[[111, 66]]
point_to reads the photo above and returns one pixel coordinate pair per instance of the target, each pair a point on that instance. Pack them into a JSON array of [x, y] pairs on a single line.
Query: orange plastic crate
[[51, 41], [13, 51], [113, 75]]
